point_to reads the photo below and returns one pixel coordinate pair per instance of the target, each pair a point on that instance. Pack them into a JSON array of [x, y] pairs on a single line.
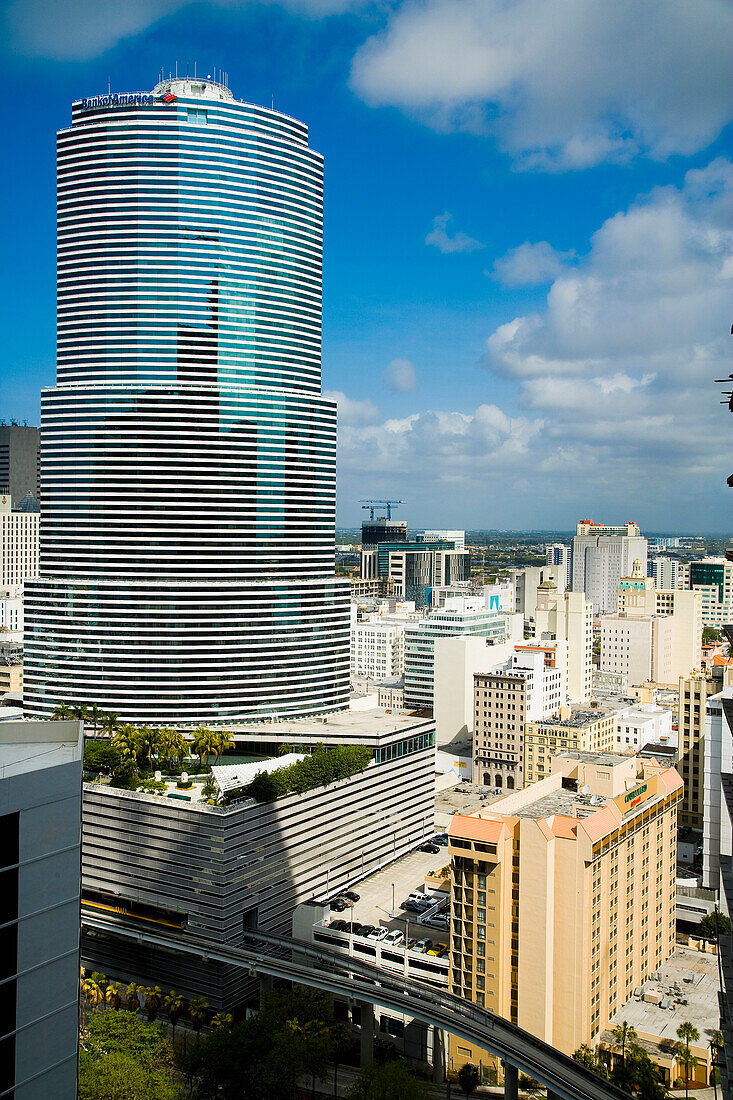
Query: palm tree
[[80, 712], [63, 711], [173, 745], [205, 743], [222, 1021], [149, 743], [153, 998], [224, 742], [109, 724], [94, 715], [716, 1040], [688, 1033], [339, 1036], [624, 1034], [688, 1062], [132, 996], [173, 1003], [197, 1010], [113, 994], [127, 741], [93, 989]]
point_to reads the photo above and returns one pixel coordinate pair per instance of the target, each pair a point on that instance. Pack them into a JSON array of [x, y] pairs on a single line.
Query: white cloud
[[530, 264], [615, 386], [401, 376], [351, 412], [564, 85], [441, 239], [72, 30]]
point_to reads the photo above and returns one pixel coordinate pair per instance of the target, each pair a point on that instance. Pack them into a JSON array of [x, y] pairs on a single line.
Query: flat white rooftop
[[31, 746]]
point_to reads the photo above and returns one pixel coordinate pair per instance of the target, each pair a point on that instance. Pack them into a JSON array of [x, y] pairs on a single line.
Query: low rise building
[[391, 693], [645, 724], [564, 896], [217, 870], [573, 730], [685, 988]]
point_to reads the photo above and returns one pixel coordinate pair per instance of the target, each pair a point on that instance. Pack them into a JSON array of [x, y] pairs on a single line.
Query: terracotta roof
[[485, 829]]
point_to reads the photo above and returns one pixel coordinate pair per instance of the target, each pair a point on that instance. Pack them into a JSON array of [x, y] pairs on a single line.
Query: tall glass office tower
[[188, 459]]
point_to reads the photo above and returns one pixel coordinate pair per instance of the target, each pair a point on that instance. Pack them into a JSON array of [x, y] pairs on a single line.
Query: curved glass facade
[[187, 456]]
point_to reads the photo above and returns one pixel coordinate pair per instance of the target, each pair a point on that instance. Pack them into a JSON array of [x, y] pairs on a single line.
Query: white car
[[395, 937], [378, 933]]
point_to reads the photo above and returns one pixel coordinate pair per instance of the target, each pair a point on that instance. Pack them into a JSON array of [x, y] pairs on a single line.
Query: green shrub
[[322, 767], [125, 775], [101, 756]]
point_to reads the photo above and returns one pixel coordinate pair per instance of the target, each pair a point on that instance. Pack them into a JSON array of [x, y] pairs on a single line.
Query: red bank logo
[[169, 97]]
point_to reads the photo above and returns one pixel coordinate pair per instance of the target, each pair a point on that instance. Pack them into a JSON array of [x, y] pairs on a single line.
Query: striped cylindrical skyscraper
[[188, 459]]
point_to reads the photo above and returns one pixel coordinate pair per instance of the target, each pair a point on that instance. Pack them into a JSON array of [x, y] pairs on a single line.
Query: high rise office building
[[19, 461], [188, 457]]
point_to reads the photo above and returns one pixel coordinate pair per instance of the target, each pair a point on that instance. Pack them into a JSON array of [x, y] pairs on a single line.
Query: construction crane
[[372, 504]]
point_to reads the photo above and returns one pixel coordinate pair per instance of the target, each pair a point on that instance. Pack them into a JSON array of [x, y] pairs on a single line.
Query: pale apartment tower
[[654, 634], [602, 555], [560, 556], [564, 896], [568, 617], [664, 571]]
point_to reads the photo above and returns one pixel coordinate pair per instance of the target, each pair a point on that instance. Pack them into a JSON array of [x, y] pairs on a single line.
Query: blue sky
[[529, 234]]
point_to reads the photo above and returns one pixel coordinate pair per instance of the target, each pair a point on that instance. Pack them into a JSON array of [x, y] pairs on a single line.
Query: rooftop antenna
[[194, 70], [176, 69], [186, 70], [109, 86]]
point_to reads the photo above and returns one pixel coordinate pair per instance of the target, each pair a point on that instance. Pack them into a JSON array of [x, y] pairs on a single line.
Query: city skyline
[[523, 317]]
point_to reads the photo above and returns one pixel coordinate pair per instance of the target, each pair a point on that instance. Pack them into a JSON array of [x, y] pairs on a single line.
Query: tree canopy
[[322, 767], [123, 1058]]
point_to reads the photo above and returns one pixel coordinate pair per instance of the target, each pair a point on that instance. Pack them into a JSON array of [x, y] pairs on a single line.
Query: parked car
[[420, 897], [439, 949], [354, 927], [428, 846], [412, 906], [338, 925], [441, 839], [339, 904], [395, 937], [366, 930], [379, 933], [351, 895], [423, 945], [411, 945]]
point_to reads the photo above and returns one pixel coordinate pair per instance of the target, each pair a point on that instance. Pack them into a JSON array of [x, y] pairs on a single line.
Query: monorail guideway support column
[[511, 1081], [366, 1037]]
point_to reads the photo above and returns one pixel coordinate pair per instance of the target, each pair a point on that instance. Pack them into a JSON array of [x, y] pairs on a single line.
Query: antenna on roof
[[194, 70]]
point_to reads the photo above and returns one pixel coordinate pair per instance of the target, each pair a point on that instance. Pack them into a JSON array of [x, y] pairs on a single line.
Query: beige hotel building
[[564, 896]]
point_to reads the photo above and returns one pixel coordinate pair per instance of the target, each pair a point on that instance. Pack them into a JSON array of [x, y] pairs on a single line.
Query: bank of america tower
[[188, 459]]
